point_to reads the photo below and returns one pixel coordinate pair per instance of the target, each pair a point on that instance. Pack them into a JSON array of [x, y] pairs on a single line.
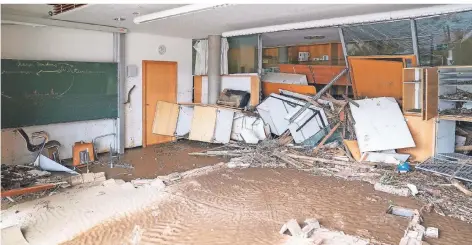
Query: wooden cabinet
[[420, 92]]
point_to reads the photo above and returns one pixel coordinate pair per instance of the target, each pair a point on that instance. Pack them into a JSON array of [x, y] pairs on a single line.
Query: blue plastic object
[[403, 167]]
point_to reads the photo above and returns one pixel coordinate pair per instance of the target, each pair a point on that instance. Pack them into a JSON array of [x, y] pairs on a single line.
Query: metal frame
[[414, 39], [259, 54], [343, 44], [119, 57], [32, 21]]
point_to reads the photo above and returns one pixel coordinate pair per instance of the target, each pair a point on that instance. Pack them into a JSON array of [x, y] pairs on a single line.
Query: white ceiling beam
[[33, 21], [356, 19]]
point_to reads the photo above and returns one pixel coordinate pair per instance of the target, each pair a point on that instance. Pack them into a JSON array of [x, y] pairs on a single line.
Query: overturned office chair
[[52, 146]]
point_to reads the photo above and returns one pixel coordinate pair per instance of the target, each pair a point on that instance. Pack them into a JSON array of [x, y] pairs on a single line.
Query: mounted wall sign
[[162, 49]]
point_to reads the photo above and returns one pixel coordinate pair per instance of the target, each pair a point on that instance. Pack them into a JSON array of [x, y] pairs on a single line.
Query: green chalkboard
[[40, 92]]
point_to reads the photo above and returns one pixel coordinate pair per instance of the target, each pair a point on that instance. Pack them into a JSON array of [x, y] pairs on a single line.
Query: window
[[242, 54], [445, 40], [385, 38]]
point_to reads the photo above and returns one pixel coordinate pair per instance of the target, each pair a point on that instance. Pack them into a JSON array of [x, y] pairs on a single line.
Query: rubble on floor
[[348, 139]]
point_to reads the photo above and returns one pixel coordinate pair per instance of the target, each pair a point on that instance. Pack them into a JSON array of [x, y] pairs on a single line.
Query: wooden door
[[377, 78], [159, 84]]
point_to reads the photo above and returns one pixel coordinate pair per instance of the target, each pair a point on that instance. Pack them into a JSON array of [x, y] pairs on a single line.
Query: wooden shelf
[[456, 100], [456, 118]]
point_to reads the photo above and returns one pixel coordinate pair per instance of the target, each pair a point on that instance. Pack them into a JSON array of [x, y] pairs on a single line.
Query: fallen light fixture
[[188, 9]]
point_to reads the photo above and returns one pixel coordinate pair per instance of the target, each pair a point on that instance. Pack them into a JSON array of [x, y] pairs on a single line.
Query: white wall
[[48, 43], [141, 46]]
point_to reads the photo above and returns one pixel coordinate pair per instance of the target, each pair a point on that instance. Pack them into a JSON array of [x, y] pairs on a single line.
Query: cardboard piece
[[380, 125]]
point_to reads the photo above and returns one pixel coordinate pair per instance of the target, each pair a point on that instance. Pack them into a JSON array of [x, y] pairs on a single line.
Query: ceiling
[[202, 24], [297, 37]]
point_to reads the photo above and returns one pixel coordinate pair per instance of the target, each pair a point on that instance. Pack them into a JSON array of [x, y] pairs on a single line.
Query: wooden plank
[[431, 81], [165, 118], [197, 89], [203, 123], [323, 74], [255, 91], [353, 147], [26, 190], [456, 118], [331, 132], [408, 89], [423, 133], [377, 78], [269, 88]]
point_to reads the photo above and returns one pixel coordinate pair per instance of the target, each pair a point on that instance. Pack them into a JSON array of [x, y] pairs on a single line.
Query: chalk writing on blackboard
[[45, 67]]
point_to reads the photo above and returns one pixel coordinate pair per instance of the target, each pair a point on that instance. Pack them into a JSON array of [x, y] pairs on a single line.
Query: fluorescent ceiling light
[[188, 9], [21, 23]]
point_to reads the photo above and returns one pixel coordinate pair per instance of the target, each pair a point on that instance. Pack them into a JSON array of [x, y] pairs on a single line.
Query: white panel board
[[224, 123], [384, 157], [445, 136], [287, 78], [380, 125], [242, 83], [184, 120], [248, 129]]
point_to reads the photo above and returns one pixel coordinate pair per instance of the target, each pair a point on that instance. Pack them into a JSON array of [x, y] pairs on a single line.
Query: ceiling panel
[[217, 21], [298, 37]]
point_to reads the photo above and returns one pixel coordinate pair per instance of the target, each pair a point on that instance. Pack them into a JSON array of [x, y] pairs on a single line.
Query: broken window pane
[[242, 54], [445, 40], [385, 38]]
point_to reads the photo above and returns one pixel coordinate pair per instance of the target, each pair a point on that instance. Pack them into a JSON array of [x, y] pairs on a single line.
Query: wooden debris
[[461, 187], [288, 160], [464, 148], [331, 132], [285, 138], [350, 100], [31, 189]]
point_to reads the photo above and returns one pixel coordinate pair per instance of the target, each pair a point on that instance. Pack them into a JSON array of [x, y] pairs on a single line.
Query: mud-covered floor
[[156, 160], [248, 206]]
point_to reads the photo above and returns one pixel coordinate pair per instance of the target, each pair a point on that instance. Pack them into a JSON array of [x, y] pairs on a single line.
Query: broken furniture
[[420, 88], [247, 82], [452, 165], [379, 76], [276, 110], [233, 98], [454, 104], [211, 124], [82, 153]]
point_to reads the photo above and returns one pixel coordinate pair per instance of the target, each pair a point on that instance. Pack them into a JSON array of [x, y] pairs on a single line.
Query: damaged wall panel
[[380, 125]]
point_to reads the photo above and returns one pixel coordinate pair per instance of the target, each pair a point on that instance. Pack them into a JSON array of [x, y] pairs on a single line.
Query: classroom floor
[[248, 206], [155, 160]]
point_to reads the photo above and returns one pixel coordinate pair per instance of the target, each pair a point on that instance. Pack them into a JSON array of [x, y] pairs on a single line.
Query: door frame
[[143, 84]]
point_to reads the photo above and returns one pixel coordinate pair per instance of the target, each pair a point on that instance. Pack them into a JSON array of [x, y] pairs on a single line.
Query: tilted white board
[[380, 125]]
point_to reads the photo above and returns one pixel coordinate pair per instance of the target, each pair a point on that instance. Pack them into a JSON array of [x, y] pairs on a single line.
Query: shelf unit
[[420, 96], [451, 79]]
